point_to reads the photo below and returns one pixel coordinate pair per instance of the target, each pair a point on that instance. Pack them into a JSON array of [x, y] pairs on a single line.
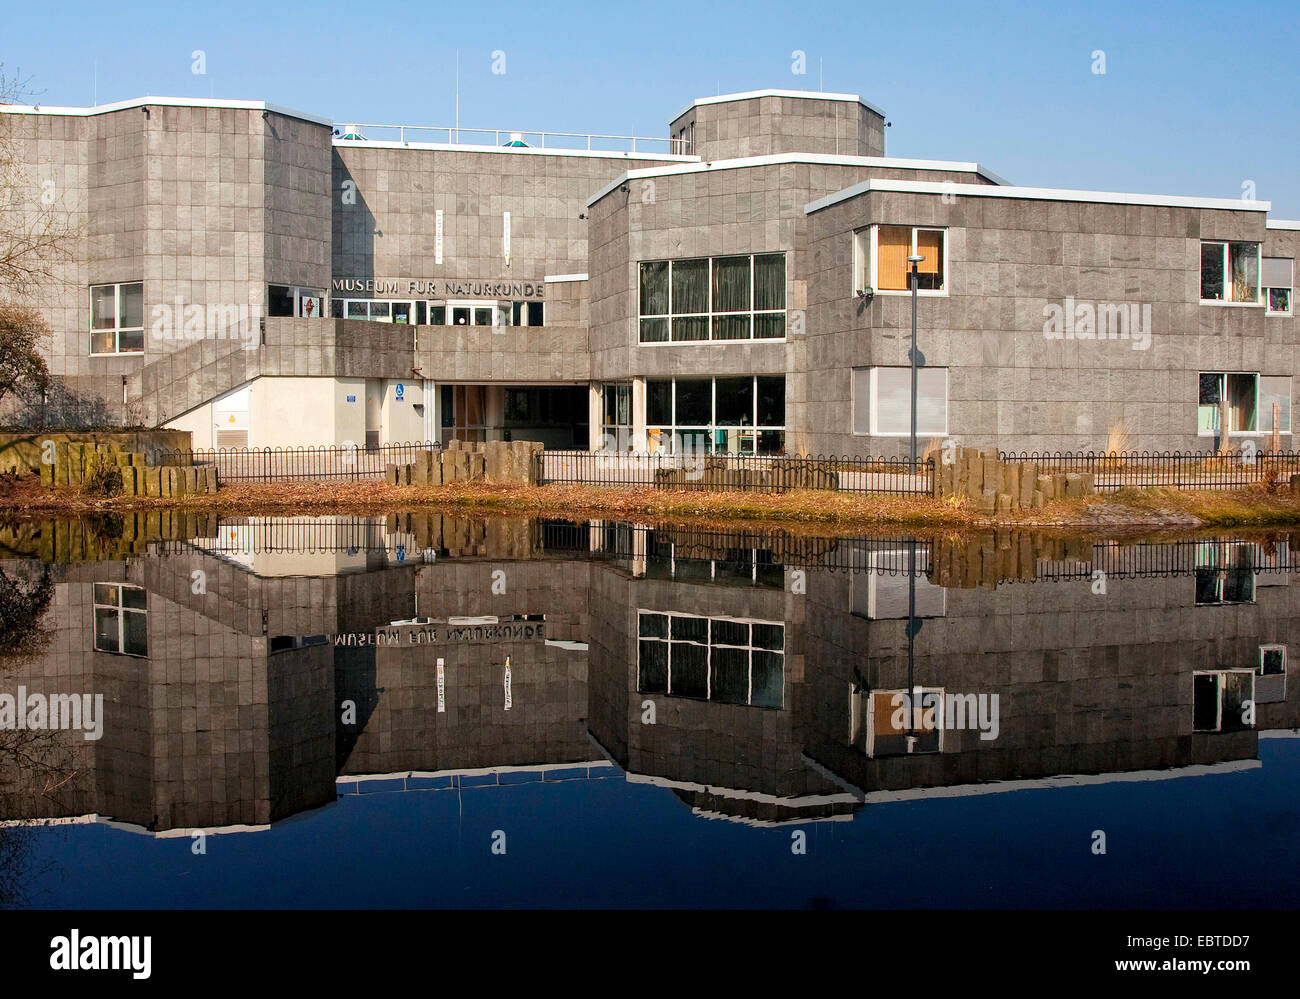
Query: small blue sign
[[401, 391], [352, 398], [401, 553]]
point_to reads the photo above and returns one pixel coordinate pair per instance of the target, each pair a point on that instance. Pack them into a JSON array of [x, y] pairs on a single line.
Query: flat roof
[[1283, 224], [1032, 194], [813, 159], [816, 95], [175, 102]]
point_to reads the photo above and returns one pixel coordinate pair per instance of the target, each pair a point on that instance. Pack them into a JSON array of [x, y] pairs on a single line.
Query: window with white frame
[[883, 587], [1230, 272], [1223, 700], [896, 722], [880, 255], [739, 415], [117, 318], [712, 298], [121, 619], [1225, 574], [882, 401], [1278, 277], [728, 660], [1245, 399]]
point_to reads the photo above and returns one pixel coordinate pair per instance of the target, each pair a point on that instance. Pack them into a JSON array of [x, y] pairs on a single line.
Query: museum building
[[263, 277]]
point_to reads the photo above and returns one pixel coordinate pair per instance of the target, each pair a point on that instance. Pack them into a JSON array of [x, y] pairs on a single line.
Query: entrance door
[[464, 409], [374, 412]]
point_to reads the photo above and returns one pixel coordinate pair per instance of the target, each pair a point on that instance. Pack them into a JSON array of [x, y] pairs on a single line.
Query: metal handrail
[[454, 133]]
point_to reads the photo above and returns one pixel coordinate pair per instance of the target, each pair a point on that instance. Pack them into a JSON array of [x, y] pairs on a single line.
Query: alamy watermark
[[1099, 321], [53, 712], [179, 321], [951, 712]]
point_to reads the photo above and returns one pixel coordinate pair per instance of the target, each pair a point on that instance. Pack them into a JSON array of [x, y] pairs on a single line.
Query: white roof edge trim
[[1033, 194], [1282, 224], [173, 102], [559, 278], [812, 159], [804, 94], [513, 150]]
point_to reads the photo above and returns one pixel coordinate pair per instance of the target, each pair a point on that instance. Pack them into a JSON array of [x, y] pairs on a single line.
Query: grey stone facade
[[209, 203]]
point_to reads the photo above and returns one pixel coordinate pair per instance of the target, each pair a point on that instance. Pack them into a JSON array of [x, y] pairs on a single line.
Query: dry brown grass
[[1253, 506]]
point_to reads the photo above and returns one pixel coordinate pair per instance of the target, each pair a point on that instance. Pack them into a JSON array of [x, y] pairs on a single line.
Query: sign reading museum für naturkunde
[[438, 288]]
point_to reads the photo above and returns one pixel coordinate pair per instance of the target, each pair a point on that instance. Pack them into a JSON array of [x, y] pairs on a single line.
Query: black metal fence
[[744, 472], [1169, 469], [306, 464]]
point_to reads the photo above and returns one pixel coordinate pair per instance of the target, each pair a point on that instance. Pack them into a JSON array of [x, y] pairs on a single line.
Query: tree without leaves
[[36, 229], [24, 340]]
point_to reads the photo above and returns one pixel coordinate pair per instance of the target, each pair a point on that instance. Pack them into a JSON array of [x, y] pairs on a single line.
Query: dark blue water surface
[[416, 711], [605, 842]]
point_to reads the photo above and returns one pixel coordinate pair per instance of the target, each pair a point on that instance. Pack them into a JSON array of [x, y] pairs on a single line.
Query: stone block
[[990, 474], [477, 470], [988, 501], [1073, 485], [1004, 504]]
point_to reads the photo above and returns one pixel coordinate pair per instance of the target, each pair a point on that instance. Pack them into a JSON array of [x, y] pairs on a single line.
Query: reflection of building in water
[[255, 670]]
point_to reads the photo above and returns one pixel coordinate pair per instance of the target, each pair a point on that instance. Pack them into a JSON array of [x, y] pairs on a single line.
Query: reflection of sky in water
[[1221, 840]]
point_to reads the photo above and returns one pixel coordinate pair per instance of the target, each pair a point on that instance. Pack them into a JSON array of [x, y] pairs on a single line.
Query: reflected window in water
[[121, 619], [728, 660], [1223, 701]]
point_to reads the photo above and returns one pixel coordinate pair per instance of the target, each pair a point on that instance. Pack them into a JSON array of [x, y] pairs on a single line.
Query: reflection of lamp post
[[914, 260]]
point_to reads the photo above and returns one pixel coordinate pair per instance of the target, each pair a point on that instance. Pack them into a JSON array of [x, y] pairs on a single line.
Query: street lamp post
[[914, 260]]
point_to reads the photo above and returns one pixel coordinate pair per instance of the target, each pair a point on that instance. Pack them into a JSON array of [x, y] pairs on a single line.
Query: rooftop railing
[[510, 139]]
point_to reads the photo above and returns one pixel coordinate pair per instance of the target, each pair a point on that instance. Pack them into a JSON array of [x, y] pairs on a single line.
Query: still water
[[418, 711]]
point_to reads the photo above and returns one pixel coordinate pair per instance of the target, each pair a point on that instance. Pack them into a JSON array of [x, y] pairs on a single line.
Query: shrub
[[103, 476]]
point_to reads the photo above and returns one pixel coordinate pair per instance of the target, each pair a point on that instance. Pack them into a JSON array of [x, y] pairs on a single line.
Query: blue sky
[[1197, 98]]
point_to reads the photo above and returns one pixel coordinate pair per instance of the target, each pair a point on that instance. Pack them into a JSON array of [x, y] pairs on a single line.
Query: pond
[[422, 711]]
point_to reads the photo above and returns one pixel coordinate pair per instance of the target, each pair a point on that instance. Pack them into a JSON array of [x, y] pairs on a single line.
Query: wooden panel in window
[[893, 244], [929, 244]]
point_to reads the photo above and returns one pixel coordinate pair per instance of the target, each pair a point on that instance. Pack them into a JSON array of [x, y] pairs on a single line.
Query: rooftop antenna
[[819, 75], [94, 86], [457, 95]]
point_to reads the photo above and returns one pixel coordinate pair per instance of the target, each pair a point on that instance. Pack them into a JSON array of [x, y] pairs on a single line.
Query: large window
[[713, 298], [744, 415], [880, 255], [882, 402], [117, 318], [1247, 399], [729, 660], [1278, 278], [121, 619], [1230, 273]]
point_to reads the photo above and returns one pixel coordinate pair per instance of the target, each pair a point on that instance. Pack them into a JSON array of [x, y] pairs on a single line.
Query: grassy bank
[[1131, 508]]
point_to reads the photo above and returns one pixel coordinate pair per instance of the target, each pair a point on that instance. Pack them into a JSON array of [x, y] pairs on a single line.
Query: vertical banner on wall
[[437, 236], [442, 686], [505, 236], [509, 700]]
